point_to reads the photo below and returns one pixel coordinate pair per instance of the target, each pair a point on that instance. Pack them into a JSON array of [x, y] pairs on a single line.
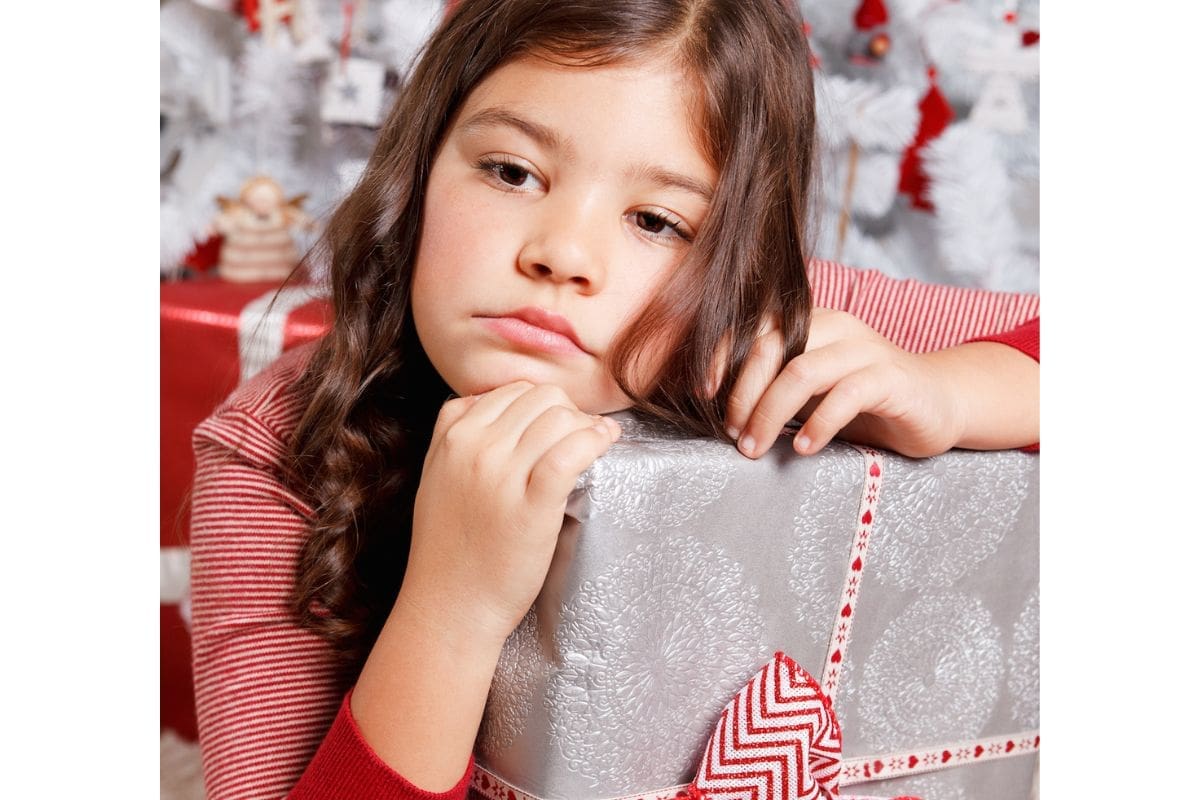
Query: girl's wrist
[[421, 694], [992, 391], [451, 620]]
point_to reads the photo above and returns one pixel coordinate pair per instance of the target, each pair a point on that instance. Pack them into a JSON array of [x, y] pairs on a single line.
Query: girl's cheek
[[457, 232]]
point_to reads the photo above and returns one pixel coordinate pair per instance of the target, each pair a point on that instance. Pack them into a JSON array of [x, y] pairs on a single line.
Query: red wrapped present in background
[[213, 335]]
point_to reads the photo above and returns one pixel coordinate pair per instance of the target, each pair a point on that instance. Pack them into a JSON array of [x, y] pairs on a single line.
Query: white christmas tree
[[927, 112], [928, 117], [296, 97]]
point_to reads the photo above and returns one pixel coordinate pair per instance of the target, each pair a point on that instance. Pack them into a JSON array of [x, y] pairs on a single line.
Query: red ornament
[[870, 14], [204, 255], [936, 116], [1030, 38], [250, 12]]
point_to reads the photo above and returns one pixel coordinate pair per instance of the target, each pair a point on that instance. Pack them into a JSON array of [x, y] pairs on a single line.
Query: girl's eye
[[665, 227], [508, 175]]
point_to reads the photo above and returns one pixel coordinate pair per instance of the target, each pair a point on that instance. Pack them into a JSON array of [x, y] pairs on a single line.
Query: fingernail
[[614, 427], [803, 443], [747, 444], [733, 432]]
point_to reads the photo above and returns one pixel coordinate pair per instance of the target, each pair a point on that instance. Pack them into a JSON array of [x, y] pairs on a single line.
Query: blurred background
[[929, 122]]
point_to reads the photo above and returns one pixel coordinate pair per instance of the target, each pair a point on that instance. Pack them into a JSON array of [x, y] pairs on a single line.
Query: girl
[[573, 209]]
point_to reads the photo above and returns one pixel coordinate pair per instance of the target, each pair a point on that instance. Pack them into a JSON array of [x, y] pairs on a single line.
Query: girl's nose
[[568, 242]]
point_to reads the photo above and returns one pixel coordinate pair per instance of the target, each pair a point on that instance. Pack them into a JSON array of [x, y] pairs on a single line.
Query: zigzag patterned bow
[[777, 739]]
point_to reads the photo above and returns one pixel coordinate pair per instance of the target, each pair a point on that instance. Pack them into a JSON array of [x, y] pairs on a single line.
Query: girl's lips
[[531, 336]]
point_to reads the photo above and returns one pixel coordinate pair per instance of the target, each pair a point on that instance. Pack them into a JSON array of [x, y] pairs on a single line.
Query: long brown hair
[[359, 448]]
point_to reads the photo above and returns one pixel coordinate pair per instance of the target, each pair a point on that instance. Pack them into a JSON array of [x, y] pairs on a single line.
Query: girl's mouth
[[531, 336]]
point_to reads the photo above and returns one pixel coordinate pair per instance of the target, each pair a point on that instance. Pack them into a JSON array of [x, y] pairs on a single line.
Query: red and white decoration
[[214, 334], [868, 508], [777, 738], [912, 762]]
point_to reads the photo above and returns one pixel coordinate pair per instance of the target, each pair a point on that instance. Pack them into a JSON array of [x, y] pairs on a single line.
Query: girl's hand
[[850, 382], [491, 501]]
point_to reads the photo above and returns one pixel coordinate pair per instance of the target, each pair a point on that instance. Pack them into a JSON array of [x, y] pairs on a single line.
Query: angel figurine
[[257, 227]]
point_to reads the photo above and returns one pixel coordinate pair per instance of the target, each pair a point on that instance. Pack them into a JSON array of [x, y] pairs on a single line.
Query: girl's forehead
[[650, 99]]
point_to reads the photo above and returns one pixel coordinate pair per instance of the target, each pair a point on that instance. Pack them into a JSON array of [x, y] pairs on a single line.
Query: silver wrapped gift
[[908, 587]]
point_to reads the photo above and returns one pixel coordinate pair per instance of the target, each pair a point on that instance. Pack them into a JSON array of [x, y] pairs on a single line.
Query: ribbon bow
[[777, 739]]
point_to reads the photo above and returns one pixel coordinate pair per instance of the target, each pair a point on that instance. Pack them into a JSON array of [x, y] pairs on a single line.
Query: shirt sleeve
[[920, 317], [344, 752], [267, 694], [1025, 337]]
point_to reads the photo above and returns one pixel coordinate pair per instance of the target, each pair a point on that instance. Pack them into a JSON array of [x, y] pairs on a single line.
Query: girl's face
[[561, 196]]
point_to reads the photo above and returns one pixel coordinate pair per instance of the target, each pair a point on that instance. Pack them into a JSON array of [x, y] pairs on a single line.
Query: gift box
[[213, 334], [907, 588]]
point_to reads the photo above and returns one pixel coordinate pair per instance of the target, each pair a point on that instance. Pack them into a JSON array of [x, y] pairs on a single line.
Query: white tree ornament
[[1007, 63], [353, 93]]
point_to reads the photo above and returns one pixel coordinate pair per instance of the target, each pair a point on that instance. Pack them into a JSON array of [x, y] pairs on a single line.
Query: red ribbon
[[347, 29], [777, 739]]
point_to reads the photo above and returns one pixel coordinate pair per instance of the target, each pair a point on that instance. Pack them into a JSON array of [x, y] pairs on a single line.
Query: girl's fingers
[[452, 411], [804, 377], [757, 374], [510, 425], [554, 474], [490, 405], [550, 427], [858, 392]]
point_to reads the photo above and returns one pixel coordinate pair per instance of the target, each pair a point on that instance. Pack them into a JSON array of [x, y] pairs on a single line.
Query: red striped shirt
[[271, 720]]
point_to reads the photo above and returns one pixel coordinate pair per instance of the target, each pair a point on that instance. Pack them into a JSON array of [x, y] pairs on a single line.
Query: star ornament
[[353, 92]]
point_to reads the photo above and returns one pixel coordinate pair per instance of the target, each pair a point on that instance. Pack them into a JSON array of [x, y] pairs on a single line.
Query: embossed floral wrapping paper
[[908, 587]]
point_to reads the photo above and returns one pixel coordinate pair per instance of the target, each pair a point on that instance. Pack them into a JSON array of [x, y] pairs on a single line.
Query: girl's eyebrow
[[668, 179], [549, 138], [494, 116]]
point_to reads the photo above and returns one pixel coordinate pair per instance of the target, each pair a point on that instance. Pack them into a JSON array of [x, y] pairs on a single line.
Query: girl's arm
[[272, 720], [267, 696], [488, 511], [912, 367]]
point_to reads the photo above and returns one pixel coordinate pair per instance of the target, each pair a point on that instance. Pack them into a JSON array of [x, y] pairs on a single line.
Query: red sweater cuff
[[1026, 337], [346, 766]]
